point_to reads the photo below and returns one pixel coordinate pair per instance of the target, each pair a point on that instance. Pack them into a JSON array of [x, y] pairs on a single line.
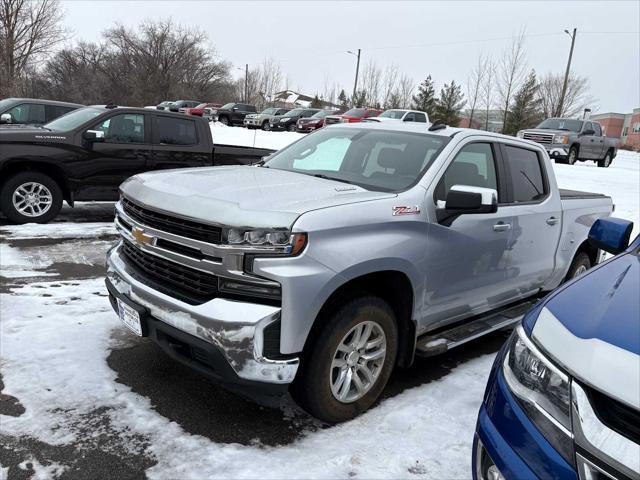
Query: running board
[[434, 344]]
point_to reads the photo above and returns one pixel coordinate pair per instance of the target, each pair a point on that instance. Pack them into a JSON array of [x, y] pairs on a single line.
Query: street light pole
[[246, 83], [355, 84], [566, 73]]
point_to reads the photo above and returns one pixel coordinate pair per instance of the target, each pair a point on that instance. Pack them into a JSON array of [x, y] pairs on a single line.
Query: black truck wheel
[[580, 264], [573, 155], [30, 197], [348, 365], [265, 125], [606, 161], [224, 120]]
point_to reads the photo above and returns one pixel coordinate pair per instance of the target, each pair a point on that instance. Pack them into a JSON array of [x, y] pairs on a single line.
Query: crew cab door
[[469, 262], [598, 142], [176, 143], [123, 151]]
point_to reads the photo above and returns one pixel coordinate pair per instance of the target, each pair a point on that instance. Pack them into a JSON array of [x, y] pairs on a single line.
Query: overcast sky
[[309, 39]]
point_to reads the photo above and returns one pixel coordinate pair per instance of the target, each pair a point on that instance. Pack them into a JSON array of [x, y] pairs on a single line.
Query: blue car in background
[[563, 397]]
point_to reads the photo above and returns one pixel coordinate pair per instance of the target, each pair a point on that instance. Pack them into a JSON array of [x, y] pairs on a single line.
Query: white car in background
[[399, 115]]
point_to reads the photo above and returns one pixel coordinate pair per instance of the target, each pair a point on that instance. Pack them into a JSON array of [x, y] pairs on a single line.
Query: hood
[[548, 131], [592, 327], [242, 195], [32, 134], [382, 119]]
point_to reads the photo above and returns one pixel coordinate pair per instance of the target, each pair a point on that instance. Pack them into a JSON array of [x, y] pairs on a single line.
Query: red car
[[315, 121], [352, 116], [199, 110]]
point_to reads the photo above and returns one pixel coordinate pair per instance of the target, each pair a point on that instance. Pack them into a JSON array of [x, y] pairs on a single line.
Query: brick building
[[625, 127]]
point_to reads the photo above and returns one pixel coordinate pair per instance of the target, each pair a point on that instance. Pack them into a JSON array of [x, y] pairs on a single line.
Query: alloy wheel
[[32, 199]]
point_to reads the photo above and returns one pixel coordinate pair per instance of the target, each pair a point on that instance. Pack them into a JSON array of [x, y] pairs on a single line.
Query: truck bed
[[577, 194]]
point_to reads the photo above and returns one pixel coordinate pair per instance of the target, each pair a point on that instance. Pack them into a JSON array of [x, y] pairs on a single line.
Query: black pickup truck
[[86, 154]]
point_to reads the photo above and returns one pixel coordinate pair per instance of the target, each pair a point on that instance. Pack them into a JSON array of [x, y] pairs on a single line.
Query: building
[[493, 124], [624, 126], [291, 99]]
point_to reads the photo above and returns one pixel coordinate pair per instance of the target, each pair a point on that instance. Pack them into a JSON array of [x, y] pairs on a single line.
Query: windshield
[[227, 106], [74, 119], [397, 114], [323, 113], [561, 124], [373, 159], [269, 111], [355, 112], [296, 112]]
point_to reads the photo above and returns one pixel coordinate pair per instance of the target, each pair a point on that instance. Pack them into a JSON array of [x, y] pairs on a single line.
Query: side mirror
[[611, 234], [93, 136], [6, 118], [465, 199], [588, 132]]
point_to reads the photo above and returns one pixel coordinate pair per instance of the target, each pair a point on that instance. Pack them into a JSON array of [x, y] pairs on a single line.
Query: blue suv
[[563, 397]]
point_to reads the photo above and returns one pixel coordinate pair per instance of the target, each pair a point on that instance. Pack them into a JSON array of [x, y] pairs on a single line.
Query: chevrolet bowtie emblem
[[141, 237]]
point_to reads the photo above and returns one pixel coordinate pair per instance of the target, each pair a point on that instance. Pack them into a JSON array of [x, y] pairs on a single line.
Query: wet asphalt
[[175, 392]]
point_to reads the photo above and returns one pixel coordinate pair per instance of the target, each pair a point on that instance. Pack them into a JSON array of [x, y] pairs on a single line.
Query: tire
[[35, 188], [580, 264], [265, 126], [224, 121], [606, 161], [572, 158], [318, 377]]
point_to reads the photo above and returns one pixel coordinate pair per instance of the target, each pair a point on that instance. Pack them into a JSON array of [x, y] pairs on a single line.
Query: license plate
[[130, 318]]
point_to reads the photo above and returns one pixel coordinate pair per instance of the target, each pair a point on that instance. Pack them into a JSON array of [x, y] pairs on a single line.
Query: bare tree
[[390, 97], [577, 97], [512, 69], [29, 30], [406, 86], [474, 86], [370, 84], [488, 89], [270, 79]]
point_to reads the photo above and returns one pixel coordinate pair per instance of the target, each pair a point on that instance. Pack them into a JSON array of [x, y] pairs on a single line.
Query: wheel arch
[[12, 168], [585, 247], [392, 286]]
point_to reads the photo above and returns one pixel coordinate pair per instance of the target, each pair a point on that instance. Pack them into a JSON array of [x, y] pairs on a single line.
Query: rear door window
[[176, 131], [526, 175], [55, 111]]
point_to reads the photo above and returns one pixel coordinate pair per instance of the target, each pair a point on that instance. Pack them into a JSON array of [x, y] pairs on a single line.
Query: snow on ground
[[57, 230], [243, 137], [425, 431]]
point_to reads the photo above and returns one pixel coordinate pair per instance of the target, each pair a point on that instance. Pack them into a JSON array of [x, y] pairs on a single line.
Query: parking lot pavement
[[82, 398]]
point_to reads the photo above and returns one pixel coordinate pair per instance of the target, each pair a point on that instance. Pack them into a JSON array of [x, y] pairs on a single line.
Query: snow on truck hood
[[592, 328], [241, 195]]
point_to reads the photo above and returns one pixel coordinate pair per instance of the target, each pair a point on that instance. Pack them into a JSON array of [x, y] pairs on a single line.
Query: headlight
[[520, 134], [267, 241], [564, 139], [283, 120], [213, 112], [543, 391]]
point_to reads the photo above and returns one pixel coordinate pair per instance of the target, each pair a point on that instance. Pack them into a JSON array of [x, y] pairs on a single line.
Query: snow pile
[[57, 230], [243, 137]]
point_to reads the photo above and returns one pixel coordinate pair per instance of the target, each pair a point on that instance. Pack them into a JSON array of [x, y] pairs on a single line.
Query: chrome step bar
[[437, 343]]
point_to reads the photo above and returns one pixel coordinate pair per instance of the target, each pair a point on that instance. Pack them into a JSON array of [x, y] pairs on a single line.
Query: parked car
[[354, 115], [262, 119], [345, 254], [198, 110], [164, 105], [397, 115], [563, 397], [232, 113], [314, 122], [88, 153], [180, 105], [32, 111], [570, 140], [288, 120]]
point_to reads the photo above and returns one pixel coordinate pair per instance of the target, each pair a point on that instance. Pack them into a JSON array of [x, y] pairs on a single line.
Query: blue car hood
[[592, 328]]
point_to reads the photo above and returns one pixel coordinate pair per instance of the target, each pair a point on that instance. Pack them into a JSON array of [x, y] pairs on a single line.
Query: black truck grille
[[616, 415], [175, 225], [184, 283]]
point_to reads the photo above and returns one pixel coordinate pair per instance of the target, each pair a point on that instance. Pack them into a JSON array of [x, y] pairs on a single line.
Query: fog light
[[484, 466], [494, 474]]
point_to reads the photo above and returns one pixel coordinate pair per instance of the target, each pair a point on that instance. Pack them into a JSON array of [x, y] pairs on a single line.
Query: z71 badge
[[406, 210]]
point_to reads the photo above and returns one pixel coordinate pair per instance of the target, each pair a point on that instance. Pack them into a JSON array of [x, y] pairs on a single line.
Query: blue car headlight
[[542, 389]]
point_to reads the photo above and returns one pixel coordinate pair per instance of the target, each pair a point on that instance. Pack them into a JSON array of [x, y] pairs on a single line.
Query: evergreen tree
[[360, 100], [526, 110], [425, 100], [343, 100], [316, 103], [449, 105]]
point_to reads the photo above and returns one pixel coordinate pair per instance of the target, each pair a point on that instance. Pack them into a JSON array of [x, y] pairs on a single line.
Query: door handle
[[501, 227], [552, 220]]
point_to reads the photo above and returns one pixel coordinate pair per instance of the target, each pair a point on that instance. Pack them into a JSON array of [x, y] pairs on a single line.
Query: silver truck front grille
[[544, 138]]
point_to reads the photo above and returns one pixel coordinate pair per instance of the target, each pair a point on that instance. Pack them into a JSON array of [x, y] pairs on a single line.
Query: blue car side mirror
[[611, 234]]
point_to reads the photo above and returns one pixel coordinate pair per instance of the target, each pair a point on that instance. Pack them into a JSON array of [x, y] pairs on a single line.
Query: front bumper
[[230, 332], [281, 126], [560, 152], [252, 122]]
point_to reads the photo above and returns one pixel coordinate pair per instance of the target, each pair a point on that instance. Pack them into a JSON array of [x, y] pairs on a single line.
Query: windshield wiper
[[327, 177]]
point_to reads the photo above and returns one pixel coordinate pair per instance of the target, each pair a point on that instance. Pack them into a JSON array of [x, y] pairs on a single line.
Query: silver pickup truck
[[343, 255], [569, 140]]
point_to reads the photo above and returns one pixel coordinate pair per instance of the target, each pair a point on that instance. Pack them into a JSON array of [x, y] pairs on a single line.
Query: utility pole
[[355, 84], [246, 83], [566, 73]]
